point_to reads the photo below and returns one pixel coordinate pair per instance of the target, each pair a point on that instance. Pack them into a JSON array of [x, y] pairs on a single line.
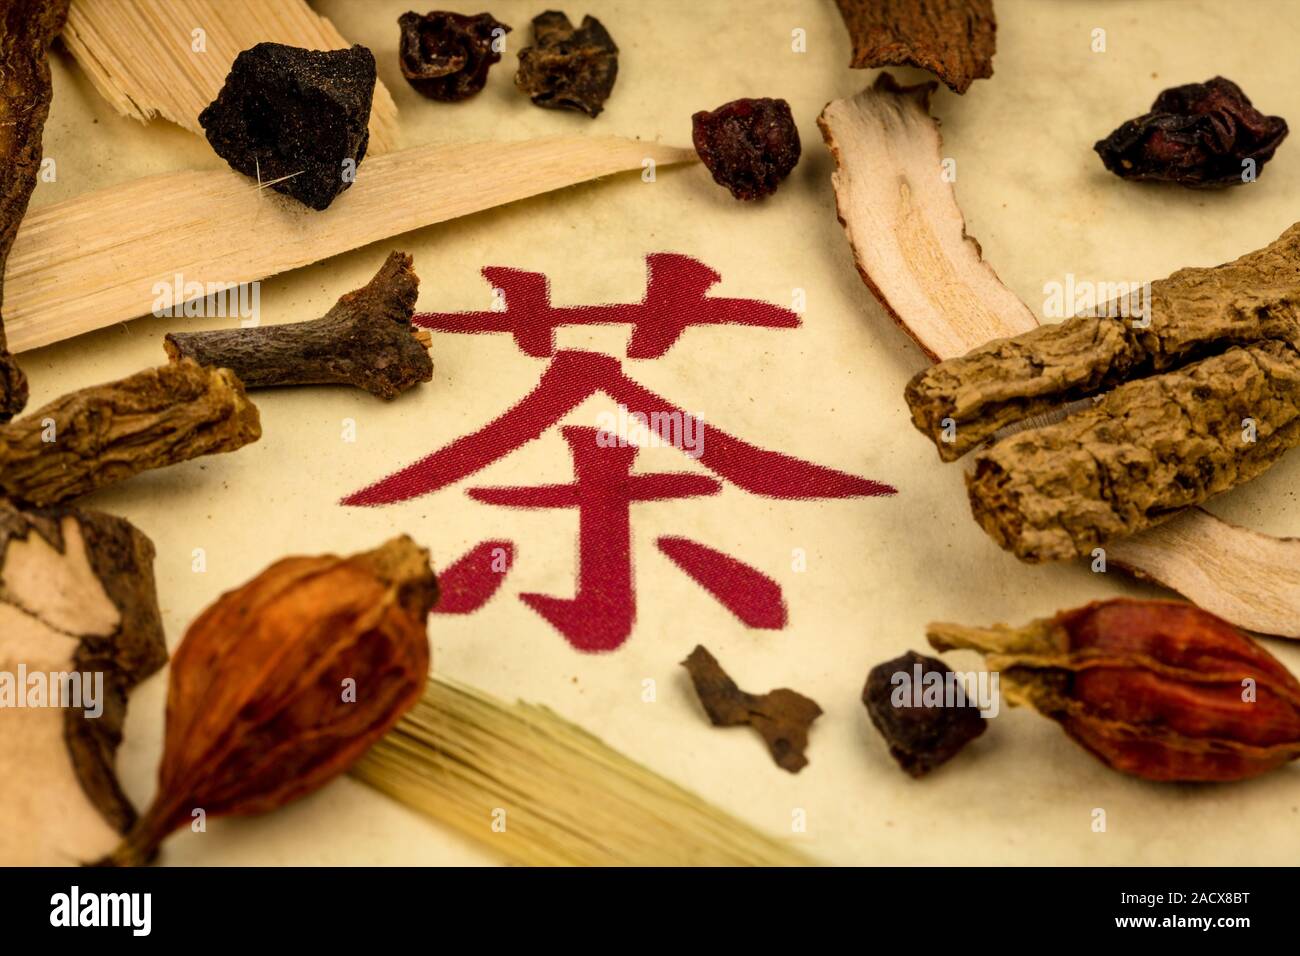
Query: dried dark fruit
[[297, 116], [568, 68], [748, 145], [782, 717], [446, 56], [921, 731], [1199, 135]]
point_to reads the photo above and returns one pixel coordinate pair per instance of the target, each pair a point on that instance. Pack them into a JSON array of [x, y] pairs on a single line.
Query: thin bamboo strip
[[94, 260], [139, 53], [565, 798]]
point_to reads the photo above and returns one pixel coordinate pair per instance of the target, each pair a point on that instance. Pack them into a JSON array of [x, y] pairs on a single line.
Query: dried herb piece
[[568, 68], [283, 683], [77, 598], [1158, 689], [295, 119], [366, 341], [1192, 313], [1145, 451], [1199, 135], [953, 39], [446, 56], [27, 28], [98, 436], [782, 717], [921, 733], [748, 145]]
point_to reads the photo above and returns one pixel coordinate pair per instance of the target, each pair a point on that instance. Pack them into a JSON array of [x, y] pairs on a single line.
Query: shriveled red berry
[[446, 56], [748, 145]]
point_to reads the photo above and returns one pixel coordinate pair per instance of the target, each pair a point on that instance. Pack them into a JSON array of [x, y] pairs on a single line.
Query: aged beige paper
[[860, 576]]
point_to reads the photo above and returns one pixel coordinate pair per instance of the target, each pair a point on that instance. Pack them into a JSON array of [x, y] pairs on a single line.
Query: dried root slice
[[960, 403], [953, 39], [76, 596], [27, 28], [908, 235], [366, 340], [1147, 450], [98, 436]]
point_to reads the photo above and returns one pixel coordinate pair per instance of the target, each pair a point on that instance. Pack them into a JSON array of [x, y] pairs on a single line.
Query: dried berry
[[923, 729], [446, 56], [782, 717], [283, 683], [1158, 689], [748, 145], [1200, 135], [295, 119], [568, 68]]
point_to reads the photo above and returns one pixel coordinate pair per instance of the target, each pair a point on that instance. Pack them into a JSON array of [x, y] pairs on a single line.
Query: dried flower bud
[[283, 683], [1158, 689]]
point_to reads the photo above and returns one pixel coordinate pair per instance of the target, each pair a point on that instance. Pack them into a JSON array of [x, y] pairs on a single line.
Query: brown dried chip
[[781, 716], [567, 68], [446, 56], [921, 735], [953, 39]]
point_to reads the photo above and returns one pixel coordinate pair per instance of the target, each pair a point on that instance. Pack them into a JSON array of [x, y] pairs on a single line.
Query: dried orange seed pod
[[1158, 689], [283, 683]]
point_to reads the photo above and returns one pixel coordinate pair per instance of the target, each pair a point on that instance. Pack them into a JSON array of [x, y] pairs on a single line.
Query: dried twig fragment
[[908, 235], [27, 28], [782, 717], [567, 67], [1188, 314], [295, 119], [283, 683], [1148, 449], [921, 727], [953, 39], [78, 613], [366, 340], [100, 435]]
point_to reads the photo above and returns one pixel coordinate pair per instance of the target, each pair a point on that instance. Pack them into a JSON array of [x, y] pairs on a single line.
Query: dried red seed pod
[[748, 145], [1158, 689]]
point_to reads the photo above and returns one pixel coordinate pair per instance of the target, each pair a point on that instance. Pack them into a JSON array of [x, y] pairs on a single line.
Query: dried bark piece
[[920, 735], [901, 216], [98, 436], [283, 683], [366, 340], [1199, 135], [748, 145], [295, 119], [953, 39], [27, 28], [446, 56], [568, 68], [782, 717], [1190, 313], [76, 596], [1151, 688], [1148, 449]]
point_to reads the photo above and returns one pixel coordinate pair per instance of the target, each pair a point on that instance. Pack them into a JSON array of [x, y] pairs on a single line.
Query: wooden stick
[[538, 790], [910, 245], [146, 59], [366, 341], [100, 258], [100, 435]]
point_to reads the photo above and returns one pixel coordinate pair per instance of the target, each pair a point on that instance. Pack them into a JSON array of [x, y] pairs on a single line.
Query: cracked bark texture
[[101, 435], [1192, 313], [1148, 449], [366, 340], [953, 39], [27, 27], [76, 595]]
